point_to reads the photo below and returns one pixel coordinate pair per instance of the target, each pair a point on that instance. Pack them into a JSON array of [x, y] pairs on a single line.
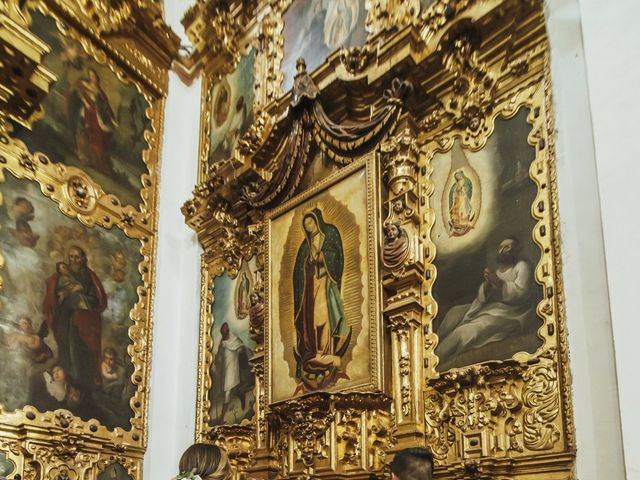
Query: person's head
[[310, 224], [412, 464], [25, 324], [77, 258], [23, 227], [459, 175], [508, 251], [208, 461], [224, 330], [254, 298], [22, 209], [62, 268], [73, 398], [393, 231], [109, 356], [58, 374]]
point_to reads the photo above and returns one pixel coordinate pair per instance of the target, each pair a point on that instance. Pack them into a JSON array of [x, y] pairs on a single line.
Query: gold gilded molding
[[25, 80], [131, 40], [473, 66]]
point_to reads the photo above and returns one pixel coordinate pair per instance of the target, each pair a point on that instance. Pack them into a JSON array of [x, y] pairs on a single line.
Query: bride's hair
[[208, 461]]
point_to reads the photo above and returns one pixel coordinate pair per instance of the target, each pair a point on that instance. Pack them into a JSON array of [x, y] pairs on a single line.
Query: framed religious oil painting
[[486, 288], [228, 111], [313, 29], [95, 118], [322, 332], [227, 396]]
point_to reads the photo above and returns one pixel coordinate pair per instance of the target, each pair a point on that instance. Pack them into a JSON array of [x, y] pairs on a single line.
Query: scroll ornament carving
[[392, 14], [355, 59], [309, 427], [542, 404], [214, 32], [517, 410], [349, 427], [238, 442], [307, 430], [471, 99]]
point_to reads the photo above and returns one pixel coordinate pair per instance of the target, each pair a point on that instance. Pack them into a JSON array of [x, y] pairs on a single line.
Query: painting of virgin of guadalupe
[[231, 109], [319, 336], [461, 211], [243, 290], [323, 335], [92, 120]]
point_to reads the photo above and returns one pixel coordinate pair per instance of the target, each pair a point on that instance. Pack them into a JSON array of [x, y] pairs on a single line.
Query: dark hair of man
[[413, 464]]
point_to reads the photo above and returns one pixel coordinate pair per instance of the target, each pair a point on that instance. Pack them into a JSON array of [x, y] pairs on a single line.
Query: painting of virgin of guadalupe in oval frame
[[321, 333]]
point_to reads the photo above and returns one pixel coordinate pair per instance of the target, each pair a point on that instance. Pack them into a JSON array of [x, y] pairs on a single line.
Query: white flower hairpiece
[[188, 476]]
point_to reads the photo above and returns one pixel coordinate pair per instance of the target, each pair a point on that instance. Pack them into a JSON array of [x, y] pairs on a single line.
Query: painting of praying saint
[[231, 109], [485, 288], [319, 330], [232, 395], [65, 318], [115, 471], [313, 29], [93, 120]]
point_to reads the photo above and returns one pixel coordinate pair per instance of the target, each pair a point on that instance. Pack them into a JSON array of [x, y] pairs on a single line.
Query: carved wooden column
[[403, 273]]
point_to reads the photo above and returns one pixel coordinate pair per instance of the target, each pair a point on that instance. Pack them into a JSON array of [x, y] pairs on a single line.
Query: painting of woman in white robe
[[486, 289], [313, 29]]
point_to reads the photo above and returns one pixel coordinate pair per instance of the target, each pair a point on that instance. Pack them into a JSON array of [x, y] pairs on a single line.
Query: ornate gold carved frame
[[471, 63], [132, 41]]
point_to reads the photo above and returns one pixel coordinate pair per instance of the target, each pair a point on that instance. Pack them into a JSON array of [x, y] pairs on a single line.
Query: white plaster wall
[[612, 45], [595, 392], [175, 335]]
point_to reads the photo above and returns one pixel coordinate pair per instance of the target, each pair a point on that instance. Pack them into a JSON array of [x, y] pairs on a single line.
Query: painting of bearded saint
[[322, 333], [503, 306], [74, 301]]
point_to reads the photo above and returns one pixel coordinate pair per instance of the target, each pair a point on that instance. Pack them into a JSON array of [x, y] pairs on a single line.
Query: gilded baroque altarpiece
[[377, 205], [82, 91]]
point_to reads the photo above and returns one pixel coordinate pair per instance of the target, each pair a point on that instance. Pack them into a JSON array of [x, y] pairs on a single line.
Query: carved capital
[[238, 441], [401, 156], [24, 81], [214, 33]]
